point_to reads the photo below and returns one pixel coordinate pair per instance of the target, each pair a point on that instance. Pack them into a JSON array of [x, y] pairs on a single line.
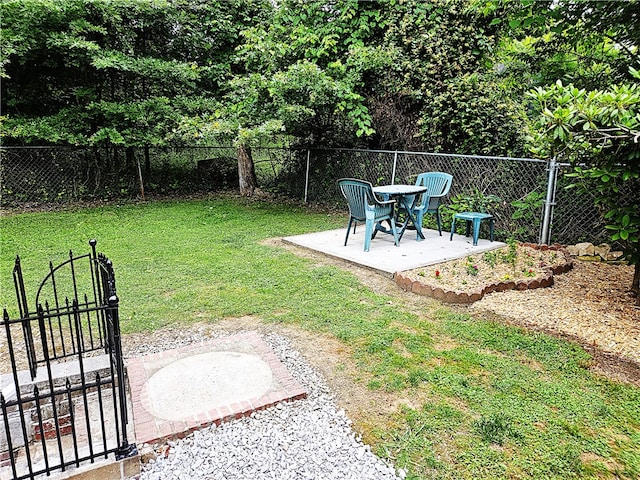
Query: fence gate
[[63, 390]]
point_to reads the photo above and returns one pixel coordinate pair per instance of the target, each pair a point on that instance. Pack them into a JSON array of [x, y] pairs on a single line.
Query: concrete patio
[[384, 257]]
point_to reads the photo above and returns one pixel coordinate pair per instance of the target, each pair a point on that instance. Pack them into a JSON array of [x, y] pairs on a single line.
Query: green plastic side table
[[472, 218]]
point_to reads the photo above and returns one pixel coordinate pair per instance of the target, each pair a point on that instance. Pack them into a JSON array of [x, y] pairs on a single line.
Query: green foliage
[[597, 131], [439, 95], [471, 115], [615, 22], [508, 256], [594, 120], [294, 101], [574, 124], [121, 73], [491, 258], [583, 43], [511, 255], [300, 74], [313, 30], [470, 267], [473, 201], [445, 75], [528, 209]]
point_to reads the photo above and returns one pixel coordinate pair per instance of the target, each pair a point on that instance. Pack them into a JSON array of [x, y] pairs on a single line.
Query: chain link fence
[[521, 184], [35, 175]]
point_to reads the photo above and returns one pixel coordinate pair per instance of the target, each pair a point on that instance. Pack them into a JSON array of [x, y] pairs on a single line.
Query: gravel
[[304, 439]]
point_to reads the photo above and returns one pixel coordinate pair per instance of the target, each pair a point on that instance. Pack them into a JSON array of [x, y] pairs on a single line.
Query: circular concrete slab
[[202, 382]]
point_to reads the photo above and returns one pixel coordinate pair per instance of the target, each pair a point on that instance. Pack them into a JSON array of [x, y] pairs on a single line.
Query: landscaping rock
[[304, 439], [572, 250], [585, 249], [602, 250], [613, 256], [589, 258]]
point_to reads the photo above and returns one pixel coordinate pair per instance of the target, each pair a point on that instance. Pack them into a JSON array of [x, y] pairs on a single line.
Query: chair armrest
[[386, 200]]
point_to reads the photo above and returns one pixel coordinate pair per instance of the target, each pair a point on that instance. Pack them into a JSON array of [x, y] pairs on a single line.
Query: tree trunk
[[246, 171], [116, 163]]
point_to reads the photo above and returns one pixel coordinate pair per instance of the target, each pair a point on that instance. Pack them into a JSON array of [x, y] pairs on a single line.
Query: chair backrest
[[438, 185], [359, 194]]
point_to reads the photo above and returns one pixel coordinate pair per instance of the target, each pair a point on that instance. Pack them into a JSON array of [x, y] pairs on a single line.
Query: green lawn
[[490, 401]]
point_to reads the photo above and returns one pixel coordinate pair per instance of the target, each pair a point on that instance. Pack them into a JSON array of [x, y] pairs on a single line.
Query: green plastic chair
[[438, 185], [364, 207]]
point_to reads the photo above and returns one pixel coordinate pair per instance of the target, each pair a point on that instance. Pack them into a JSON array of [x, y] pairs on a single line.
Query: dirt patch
[[592, 304]]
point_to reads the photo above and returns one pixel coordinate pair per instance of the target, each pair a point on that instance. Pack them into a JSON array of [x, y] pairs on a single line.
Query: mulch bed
[[591, 304], [584, 301]]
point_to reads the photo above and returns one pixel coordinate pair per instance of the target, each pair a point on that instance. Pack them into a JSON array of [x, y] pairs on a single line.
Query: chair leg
[[439, 220], [453, 228], [348, 229], [368, 233], [375, 230], [476, 231], [419, 218], [394, 230]]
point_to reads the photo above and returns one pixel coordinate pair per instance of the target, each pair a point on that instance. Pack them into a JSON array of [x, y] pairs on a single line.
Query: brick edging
[[454, 296], [150, 429]]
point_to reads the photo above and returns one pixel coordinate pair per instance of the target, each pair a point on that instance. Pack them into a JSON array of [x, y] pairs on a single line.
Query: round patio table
[[406, 197]]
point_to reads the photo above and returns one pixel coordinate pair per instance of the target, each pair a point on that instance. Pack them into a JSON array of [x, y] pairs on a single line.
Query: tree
[[597, 131], [593, 47], [590, 44], [298, 75], [442, 92], [617, 22], [101, 72]]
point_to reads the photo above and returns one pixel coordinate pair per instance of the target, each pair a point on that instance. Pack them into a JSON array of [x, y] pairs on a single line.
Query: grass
[[488, 400]]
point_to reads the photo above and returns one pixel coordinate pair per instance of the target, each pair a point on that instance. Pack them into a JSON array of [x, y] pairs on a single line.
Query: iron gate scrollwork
[[64, 401]]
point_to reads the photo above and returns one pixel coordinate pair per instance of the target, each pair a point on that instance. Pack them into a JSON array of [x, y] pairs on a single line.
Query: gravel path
[[305, 439]]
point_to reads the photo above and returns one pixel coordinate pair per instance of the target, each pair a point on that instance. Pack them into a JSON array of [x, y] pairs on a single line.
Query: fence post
[[125, 449], [549, 203], [395, 164], [306, 176]]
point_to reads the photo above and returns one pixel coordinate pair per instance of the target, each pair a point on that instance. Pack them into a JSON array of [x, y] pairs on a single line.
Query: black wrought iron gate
[[63, 393]]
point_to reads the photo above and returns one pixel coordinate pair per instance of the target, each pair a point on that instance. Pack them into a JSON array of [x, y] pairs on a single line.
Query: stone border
[[456, 296]]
